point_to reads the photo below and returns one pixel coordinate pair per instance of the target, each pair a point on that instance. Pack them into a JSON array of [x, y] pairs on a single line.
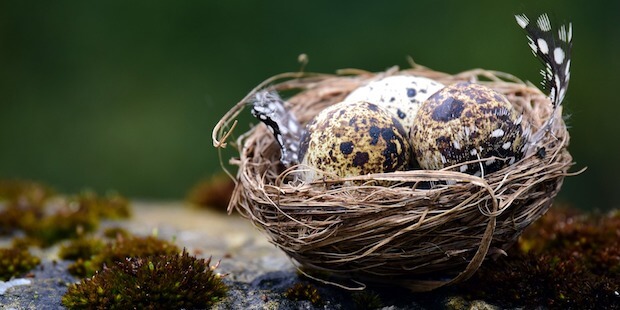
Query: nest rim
[[307, 221]]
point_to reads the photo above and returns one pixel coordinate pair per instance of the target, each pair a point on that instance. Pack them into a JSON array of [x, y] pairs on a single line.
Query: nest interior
[[405, 234]]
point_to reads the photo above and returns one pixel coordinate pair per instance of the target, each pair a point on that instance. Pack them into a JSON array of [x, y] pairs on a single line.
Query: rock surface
[[257, 272]]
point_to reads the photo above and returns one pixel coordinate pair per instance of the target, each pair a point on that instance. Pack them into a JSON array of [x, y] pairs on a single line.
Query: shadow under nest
[[409, 234]]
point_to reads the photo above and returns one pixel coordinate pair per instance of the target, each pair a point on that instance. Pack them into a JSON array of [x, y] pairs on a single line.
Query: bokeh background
[[123, 95]]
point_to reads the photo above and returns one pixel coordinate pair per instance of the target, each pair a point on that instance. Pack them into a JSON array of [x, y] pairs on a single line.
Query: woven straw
[[404, 234]]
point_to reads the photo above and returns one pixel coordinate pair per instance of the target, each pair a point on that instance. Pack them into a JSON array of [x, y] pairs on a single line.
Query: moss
[[366, 300], [565, 260], [22, 192], [15, 262], [116, 232], [84, 248], [27, 209], [14, 211], [590, 238], [156, 282], [110, 206], [25, 242], [301, 291], [63, 224], [81, 268], [121, 249], [212, 193], [9, 219]]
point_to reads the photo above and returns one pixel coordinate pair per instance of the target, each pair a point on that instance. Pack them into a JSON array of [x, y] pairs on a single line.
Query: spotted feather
[[555, 54], [268, 107], [553, 51]]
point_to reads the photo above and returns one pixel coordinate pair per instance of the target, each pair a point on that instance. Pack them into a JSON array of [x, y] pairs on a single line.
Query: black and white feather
[[553, 49], [269, 108]]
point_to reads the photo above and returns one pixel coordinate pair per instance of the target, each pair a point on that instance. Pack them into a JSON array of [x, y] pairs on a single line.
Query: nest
[[419, 238]]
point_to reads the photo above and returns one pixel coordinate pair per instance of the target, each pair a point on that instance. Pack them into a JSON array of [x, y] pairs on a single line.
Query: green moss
[[16, 209], [15, 262], [25, 242], [81, 267], [121, 249], [111, 206], [155, 282], [26, 208], [22, 192], [84, 248], [301, 291], [63, 224], [116, 232], [590, 238], [366, 300], [565, 260]]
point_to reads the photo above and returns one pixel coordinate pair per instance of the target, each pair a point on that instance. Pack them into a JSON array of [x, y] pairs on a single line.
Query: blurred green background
[[124, 95]]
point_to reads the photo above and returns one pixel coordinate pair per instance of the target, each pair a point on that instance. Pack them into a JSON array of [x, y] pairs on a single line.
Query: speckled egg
[[402, 95], [353, 138], [464, 122]]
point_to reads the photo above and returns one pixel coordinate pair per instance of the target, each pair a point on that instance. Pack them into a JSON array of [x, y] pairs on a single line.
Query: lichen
[[174, 281], [15, 262]]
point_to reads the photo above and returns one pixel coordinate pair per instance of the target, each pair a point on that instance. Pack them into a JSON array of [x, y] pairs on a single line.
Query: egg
[[353, 138], [464, 122], [402, 95]]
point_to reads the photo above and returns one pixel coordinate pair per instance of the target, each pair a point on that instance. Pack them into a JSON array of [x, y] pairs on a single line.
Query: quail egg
[[464, 122], [402, 95], [353, 138]]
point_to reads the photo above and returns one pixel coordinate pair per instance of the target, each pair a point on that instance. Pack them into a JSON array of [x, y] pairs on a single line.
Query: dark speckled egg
[[464, 122], [353, 138]]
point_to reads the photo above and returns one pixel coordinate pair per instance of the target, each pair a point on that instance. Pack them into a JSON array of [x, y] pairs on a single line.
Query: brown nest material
[[403, 234]]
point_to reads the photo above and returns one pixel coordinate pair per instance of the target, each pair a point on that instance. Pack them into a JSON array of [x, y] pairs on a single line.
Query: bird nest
[[410, 234]]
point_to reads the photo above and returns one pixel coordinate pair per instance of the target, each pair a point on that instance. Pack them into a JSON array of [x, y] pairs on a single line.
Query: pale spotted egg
[[402, 95]]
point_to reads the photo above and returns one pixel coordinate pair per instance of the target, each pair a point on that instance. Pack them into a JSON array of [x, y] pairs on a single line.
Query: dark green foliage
[[301, 291], [566, 260], [15, 262], [155, 282], [121, 249]]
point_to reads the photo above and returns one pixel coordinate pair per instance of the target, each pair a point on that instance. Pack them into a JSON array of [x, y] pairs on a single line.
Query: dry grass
[[408, 234]]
